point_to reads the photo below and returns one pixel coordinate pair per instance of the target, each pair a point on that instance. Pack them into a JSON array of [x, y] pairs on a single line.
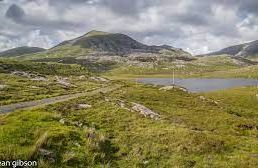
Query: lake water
[[201, 84]]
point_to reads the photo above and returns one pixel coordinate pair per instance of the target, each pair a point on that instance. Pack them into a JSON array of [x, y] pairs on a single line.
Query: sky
[[197, 26]]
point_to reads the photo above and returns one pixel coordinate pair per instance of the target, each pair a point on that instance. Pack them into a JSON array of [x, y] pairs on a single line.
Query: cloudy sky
[[198, 26]]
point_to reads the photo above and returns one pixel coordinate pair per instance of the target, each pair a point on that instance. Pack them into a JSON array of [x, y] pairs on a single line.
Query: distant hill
[[242, 50], [98, 46], [20, 51], [115, 43]]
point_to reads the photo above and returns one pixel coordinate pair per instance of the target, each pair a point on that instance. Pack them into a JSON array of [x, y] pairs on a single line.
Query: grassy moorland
[[20, 89], [244, 72], [8, 65], [214, 129], [191, 131], [41, 81]]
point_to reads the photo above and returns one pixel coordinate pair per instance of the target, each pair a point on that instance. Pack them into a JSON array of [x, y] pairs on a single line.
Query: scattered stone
[[122, 104], [214, 102], [145, 162], [32, 76], [77, 144], [2, 86], [202, 98], [107, 99], [166, 88], [82, 77], [78, 124], [39, 79], [99, 79], [255, 155], [62, 121], [34, 87], [51, 160], [84, 106], [64, 82], [145, 111], [180, 66], [91, 134], [248, 127], [209, 100], [20, 73], [45, 153], [183, 89]]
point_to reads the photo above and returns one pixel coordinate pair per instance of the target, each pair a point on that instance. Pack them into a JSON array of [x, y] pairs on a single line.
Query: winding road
[[37, 103]]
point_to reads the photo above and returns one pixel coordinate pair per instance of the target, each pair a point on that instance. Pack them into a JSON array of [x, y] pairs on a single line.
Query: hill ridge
[[21, 51], [239, 50]]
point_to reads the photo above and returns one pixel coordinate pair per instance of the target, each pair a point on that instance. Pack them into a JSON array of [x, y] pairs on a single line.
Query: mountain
[[113, 43], [242, 50], [20, 51]]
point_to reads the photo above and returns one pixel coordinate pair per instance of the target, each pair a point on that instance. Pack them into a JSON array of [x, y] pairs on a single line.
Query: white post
[[173, 76]]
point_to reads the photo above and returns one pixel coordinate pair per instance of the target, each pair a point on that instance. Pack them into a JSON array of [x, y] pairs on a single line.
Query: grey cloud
[[132, 7], [196, 19], [122, 7], [15, 12], [201, 25], [249, 6], [66, 4]]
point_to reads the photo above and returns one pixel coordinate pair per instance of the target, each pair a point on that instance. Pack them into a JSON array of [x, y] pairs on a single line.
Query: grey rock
[[202, 98], [145, 111], [62, 121], [2, 86], [84, 106], [64, 82], [99, 79], [32, 76], [45, 153]]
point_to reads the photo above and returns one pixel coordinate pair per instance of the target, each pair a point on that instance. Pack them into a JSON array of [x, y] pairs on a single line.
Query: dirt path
[[52, 100]]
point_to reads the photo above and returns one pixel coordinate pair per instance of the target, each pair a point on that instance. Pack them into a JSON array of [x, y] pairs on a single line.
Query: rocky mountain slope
[[99, 46], [242, 50], [114, 43], [20, 51]]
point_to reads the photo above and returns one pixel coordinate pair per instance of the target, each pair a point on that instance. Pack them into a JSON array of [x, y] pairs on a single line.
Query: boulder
[[39, 79], [64, 82], [98, 79], [82, 77], [107, 99], [32, 76], [62, 121], [34, 87], [166, 88], [122, 104], [84, 106], [3, 86], [145, 111], [202, 98], [47, 154]]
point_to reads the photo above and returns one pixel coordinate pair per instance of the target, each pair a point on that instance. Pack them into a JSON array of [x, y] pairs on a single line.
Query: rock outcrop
[[32, 76], [146, 112]]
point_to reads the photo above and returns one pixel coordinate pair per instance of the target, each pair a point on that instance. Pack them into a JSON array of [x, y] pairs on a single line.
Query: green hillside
[[100, 44], [20, 51]]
